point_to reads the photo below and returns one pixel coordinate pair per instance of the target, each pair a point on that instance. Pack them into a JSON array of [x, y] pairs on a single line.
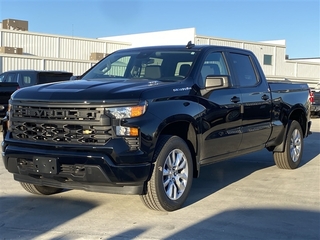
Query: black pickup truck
[[145, 120], [6, 89]]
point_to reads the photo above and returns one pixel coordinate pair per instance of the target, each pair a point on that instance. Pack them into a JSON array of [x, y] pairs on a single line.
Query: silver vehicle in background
[[315, 100]]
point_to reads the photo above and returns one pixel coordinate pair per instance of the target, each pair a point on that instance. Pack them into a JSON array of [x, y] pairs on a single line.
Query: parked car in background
[[26, 78], [315, 100], [10, 81]]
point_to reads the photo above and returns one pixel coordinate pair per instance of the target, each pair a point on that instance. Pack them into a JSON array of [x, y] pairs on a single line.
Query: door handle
[[235, 99], [265, 97]]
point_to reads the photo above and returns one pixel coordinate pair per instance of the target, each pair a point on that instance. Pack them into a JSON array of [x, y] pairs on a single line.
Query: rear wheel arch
[[291, 157], [298, 115]]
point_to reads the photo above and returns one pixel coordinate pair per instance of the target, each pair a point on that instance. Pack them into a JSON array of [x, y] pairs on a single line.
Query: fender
[[280, 147], [294, 115], [186, 127]]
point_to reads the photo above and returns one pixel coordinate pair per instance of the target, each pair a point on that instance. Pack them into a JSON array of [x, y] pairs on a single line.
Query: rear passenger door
[[256, 101]]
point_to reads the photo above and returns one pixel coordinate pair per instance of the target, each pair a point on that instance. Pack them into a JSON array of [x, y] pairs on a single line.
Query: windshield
[[167, 65]]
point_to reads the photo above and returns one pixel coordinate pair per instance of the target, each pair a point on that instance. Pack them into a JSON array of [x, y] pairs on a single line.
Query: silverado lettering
[[145, 120]]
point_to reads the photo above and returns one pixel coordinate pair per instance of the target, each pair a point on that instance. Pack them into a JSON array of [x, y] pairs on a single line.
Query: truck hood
[[87, 90]]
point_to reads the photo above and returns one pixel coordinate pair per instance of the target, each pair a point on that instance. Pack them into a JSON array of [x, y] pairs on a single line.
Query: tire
[[40, 190], [291, 157], [172, 175]]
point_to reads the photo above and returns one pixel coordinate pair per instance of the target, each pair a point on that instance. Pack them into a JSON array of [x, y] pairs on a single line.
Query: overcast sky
[[296, 21]]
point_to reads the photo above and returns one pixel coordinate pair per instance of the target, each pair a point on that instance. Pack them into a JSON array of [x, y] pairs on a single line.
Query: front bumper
[[74, 168]]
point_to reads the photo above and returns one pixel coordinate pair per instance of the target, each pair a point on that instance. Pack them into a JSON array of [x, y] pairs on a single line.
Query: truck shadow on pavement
[[311, 148], [219, 175], [244, 224], [30, 217], [260, 223]]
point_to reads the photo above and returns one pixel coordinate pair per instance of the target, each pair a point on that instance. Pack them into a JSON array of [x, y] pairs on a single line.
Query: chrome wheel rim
[[175, 174], [295, 145]]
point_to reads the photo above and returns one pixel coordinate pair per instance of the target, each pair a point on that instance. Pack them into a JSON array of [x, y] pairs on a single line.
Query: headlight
[[7, 118], [127, 112], [127, 131]]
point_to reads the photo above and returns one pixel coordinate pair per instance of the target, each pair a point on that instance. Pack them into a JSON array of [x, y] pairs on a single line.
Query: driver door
[[221, 122]]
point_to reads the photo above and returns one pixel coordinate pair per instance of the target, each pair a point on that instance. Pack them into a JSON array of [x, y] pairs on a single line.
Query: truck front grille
[[61, 125], [61, 133], [57, 113]]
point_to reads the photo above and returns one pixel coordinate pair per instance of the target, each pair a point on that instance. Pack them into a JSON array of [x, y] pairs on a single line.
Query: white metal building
[[54, 52], [51, 52]]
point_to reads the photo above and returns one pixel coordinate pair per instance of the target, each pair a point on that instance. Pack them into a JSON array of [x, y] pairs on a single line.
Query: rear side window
[[27, 79], [243, 67]]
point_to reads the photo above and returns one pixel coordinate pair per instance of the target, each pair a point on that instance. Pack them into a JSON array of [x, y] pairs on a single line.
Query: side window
[[118, 67], [267, 59], [2, 77], [27, 79], [244, 70], [182, 69], [213, 65], [11, 77]]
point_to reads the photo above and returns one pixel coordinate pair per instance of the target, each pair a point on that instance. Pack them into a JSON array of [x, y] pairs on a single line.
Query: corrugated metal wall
[[34, 45], [307, 70], [52, 52], [54, 46], [14, 62], [80, 49]]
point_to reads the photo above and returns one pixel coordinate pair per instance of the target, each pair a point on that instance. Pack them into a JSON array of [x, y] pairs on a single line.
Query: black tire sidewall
[[172, 143], [294, 126]]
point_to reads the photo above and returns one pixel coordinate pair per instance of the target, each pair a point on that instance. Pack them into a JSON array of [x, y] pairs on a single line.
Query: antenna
[[190, 45]]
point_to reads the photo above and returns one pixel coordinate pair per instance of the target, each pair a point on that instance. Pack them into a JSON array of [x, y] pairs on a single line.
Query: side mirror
[[215, 81], [75, 77]]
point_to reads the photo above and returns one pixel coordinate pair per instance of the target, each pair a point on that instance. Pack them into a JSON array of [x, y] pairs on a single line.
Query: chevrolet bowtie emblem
[[87, 131]]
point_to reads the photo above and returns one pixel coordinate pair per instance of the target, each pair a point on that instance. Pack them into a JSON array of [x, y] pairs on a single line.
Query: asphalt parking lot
[[244, 198]]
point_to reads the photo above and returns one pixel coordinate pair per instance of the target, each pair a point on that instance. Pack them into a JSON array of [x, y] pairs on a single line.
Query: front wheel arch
[[187, 131], [171, 178]]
